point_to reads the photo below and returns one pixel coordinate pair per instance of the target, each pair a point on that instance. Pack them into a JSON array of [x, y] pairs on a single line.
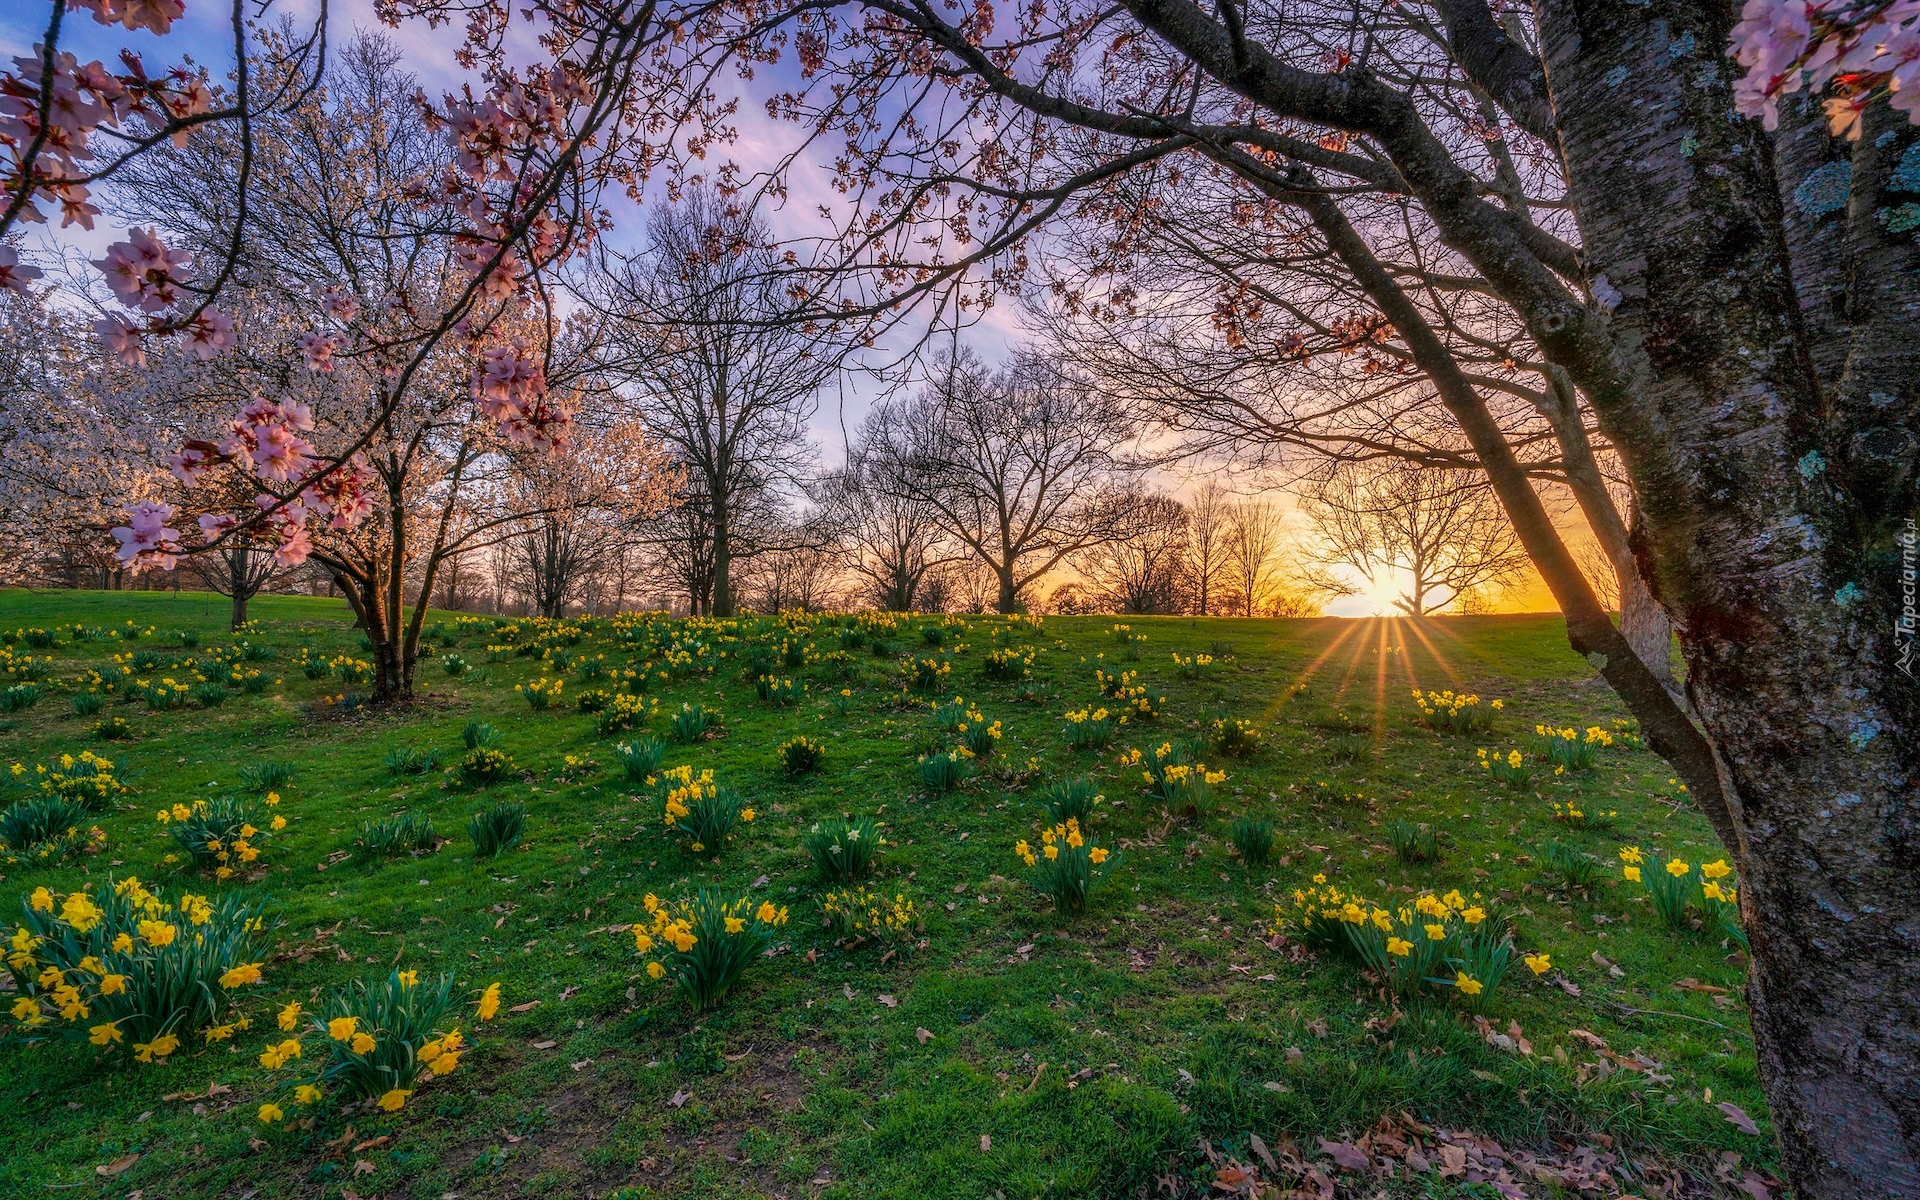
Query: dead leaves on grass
[[1403, 1148]]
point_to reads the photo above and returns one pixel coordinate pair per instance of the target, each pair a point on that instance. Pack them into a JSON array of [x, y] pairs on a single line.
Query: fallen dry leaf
[[924, 1036], [117, 1165], [545, 1045], [986, 1141], [1737, 1117], [889, 1001], [679, 1099], [529, 1006], [1345, 1154]]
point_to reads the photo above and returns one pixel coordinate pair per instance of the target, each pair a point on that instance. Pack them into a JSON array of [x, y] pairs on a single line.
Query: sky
[[204, 36]]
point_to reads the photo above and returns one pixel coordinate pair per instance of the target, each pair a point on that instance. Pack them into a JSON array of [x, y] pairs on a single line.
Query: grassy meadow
[[1187, 1034]]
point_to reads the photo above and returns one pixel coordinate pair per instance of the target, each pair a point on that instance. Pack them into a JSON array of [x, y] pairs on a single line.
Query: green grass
[[1163, 1016]]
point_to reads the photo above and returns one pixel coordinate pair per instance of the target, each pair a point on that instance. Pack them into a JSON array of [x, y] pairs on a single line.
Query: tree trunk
[[239, 608], [1769, 536], [722, 601], [1008, 601]]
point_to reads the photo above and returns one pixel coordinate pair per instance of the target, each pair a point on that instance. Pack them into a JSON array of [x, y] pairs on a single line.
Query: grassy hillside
[[1158, 1043]]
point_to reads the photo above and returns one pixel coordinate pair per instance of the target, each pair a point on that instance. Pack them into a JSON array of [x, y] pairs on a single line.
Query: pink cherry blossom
[[341, 492], [339, 304], [1869, 45], [13, 276], [319, 348], [212, 525], [210, 333], [122, 339], [190, 464], [143, 273], [146, 540]]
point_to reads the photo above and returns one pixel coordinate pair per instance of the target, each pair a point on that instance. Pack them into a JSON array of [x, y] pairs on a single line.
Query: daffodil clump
[[978, 735], [781, 690], [623, 712], [1130, 697], [126, 970], [1571, 749], [575, 767], [224, 836], [541, 693], [703, 811], [483, 765], [802, 755], [1677, 884], [1065, 865], [1510, 768], [706, 944], [1455, 712], [41, 830], [162, 695], [862, 914], [1437, 941], [1183, 786], [1240, 738], [1194, 666], [927, 675], [1092, 729], [945, 771], [376, 1042], [1584, 816], [843, 850], [1012, 662], [85, 779], [351, 670]]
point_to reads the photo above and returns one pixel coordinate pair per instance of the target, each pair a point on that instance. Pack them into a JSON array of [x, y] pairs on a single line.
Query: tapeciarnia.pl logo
[[1904, 626]]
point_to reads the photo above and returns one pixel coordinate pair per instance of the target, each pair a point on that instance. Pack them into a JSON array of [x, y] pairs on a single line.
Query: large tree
[[1727, 305]]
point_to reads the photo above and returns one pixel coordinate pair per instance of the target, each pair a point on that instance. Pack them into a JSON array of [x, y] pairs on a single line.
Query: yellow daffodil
[[341, 1029], [1467, 984], [490, 1000], [1677, 868], [1539, 964], [306, 1093], [1399, 947], [269, 1113], [655, 970], [102, 1035], [362, 1042], [241, 975], [159, 1047], [289, 1016], [1632, 874], [393, 1100]]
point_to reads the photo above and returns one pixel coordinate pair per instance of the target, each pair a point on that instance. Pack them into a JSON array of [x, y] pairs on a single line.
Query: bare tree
[[1018, 464], [1147, 567], [1253, 539], [698, 333], [585, 506], [891, 534], [239, 573], [1442, 528], [1207, 538]]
